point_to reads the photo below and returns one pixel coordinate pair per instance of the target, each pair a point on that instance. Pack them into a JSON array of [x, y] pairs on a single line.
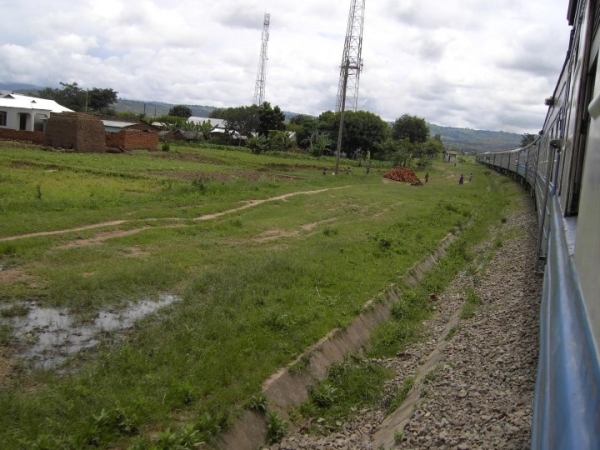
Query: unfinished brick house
[[132, 139], [76, 131]]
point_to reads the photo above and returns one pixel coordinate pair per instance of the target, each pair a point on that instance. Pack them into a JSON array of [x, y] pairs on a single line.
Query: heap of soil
[[403, 175]]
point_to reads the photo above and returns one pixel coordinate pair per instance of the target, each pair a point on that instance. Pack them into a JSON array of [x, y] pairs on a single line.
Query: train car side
[[562, 169]]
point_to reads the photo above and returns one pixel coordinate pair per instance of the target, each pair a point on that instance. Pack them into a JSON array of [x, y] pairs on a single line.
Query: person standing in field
[[461, 180], [470, 177], [427, 177]]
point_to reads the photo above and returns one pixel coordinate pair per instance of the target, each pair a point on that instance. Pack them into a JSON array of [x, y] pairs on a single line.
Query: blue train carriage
[[567, 400], [531, 164], [562, 168]]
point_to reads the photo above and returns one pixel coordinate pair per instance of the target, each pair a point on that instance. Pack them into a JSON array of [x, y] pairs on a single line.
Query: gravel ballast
[[474, 377]]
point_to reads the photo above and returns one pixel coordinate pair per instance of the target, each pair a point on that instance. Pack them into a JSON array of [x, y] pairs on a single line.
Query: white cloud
[[456, 63]]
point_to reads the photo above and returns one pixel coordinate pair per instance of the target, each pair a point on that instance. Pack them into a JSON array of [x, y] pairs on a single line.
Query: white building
[[20, 112]]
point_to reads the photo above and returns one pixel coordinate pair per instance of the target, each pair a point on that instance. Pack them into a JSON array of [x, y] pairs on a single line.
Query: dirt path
[[110, 235]]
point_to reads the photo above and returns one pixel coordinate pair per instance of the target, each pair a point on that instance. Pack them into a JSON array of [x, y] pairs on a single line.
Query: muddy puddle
[[48, 336]]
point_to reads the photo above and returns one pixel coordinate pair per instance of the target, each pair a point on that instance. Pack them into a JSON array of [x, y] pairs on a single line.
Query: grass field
[[266, 253]]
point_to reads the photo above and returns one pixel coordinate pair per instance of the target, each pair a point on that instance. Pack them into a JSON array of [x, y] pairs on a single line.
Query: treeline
[[95, 100], [363, 133]]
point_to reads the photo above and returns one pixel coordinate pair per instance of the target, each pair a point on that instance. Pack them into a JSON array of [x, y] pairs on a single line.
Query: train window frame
[[578, 157]]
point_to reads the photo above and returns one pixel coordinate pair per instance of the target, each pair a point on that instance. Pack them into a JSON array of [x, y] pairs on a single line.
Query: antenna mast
[[261, 77], [351, 59]]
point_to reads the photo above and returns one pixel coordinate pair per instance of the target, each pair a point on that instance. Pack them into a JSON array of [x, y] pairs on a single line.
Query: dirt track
[[114, 223]]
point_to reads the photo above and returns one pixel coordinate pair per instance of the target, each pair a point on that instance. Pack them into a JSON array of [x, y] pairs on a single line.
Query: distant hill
[[155, 109], [161, 109], [476, 141], [20, 87]]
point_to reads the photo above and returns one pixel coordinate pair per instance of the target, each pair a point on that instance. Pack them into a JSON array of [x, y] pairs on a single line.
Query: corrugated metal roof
[[25, 102], [117, 124], [220, 123]]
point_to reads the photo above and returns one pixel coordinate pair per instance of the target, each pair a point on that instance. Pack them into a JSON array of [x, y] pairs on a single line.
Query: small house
[[23, 113], [450, 157]]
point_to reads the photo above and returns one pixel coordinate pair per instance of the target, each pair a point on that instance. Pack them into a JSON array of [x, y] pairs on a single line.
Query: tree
[[280, 140], [217, 113], [99, 100], [242, 119], [362, 130], [70, 96], [430, 148], [270, 119], [257, 144], [527, 139], [400, 152], [202, 130], [413, 128], [180, 111], [305, 127], [73, 97], [319, 142]]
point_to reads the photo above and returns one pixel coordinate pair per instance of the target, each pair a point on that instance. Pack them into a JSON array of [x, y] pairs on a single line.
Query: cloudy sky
[[483, 64]]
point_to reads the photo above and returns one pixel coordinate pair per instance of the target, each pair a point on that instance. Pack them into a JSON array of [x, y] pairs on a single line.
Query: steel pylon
[[352, 64]]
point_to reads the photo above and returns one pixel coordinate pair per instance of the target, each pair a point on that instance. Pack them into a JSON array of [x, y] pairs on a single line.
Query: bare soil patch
[[189, 157], [311, 226], [272, 235], [20, 164], [135, 252], [276, 233], [12, 276], [294, 166], [101, 237], [248, 175], [6, 367]]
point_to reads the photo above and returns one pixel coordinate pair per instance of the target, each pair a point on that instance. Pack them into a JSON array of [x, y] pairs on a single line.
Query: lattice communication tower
[[351, 58], [261, 76]]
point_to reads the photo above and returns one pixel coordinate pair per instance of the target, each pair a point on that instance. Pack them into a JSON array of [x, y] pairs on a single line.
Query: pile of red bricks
[[403, 175]]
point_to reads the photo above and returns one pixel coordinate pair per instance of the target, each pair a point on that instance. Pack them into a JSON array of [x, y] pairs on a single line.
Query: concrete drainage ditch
[[285, 390]]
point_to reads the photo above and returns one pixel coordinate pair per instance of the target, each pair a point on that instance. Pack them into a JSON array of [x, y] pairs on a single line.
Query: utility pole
[[342, 114], [261, 76]]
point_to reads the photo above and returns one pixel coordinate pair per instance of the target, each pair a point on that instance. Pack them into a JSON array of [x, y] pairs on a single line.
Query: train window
[[576, 174], [596, 18]]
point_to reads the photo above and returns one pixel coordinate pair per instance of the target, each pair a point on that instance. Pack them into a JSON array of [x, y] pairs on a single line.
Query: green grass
[[259, 285], [353, 383], [401, 394], [471, 304]]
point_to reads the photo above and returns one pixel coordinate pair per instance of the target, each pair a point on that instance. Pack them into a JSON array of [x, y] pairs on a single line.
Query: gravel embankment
[[480, 395]]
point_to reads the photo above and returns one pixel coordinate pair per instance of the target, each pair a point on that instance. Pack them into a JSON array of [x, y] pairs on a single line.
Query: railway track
[[474, 377]]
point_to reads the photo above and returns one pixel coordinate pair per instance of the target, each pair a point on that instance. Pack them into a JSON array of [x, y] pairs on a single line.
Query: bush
[[276, 428]]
